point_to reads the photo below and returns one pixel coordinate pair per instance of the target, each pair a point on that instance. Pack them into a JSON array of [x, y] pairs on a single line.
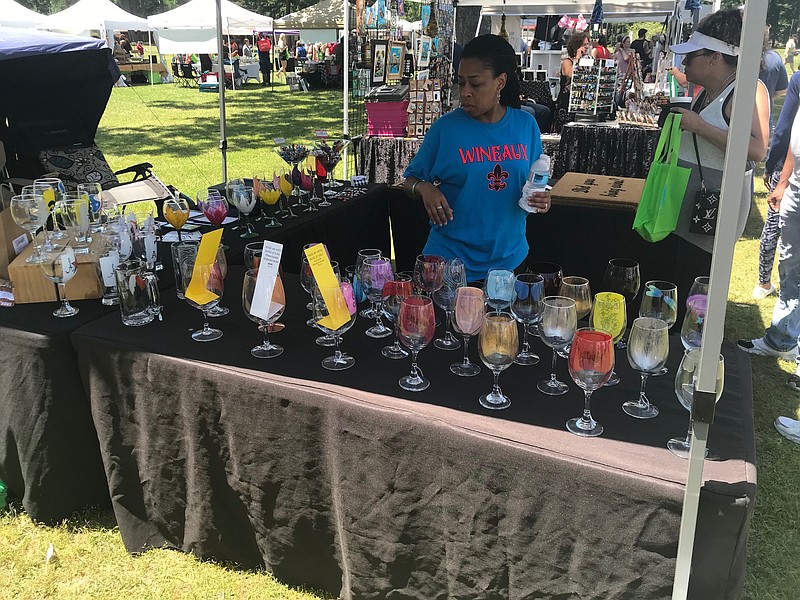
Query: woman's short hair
[[725, 25], [498, 56], [575, 41]]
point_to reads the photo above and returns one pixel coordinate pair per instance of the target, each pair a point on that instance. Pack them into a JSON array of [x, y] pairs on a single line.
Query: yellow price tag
[[206, 255], [328, 284]]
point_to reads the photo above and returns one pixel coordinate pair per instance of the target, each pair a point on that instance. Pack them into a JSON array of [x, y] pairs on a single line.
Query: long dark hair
[[499, 57]]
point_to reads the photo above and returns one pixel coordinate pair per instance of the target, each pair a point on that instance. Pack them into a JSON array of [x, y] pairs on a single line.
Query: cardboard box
[[12, 236], [30, 284], [581, 189]]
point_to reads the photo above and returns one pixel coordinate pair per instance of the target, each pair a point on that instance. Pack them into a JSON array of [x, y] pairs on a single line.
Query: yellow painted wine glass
[[609, 315], [176, 212]]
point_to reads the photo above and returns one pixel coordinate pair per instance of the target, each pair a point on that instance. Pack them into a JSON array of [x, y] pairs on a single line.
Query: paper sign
[[321, 133], [19, 243], [279, 140], [206, 255], [328, 284], [262, 306], [186, 236]]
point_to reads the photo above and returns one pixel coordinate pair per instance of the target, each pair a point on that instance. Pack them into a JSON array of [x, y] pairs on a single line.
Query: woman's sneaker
[[788, 428], [759, 293], [760, 347]]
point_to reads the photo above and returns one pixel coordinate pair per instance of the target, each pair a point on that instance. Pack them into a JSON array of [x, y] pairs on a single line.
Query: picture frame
[[397, 53], [423, 52], [380, 55]]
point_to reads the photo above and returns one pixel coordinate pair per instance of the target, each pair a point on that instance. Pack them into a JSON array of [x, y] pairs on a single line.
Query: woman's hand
[[775, 196], [439, 211], [541, 201], [690, 120]]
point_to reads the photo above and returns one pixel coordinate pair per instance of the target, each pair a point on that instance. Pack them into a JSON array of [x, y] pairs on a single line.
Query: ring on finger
[[439, 207]]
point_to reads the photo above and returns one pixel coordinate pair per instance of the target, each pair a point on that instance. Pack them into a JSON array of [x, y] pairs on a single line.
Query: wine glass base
[[680, 448], [248, 235], [394, 353], [613, 380], [414, 384], [325, 341], [218, 311], [378, 331], [345, 361], [461, 369], [270, 351], [526, 359], [494, 401], [579, 427], [663, 371], [640, 411], [36, 259], [290, 216], [622, 344], [311, 323], [325, 204], [552, 388], [272, 224], [207, 335], [447, 343], [66, 311]]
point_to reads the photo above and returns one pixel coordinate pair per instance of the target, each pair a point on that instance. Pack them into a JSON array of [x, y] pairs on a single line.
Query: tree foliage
[[146, 8]]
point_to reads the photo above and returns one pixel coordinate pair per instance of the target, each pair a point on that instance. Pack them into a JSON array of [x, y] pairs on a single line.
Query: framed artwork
[[397, 52], [380, 55], [424, 52]]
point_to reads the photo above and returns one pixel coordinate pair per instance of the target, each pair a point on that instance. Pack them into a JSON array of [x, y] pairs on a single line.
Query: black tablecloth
[[344, 482]]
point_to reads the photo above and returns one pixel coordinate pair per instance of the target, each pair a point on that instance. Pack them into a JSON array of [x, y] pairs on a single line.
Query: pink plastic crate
[[387, 119]]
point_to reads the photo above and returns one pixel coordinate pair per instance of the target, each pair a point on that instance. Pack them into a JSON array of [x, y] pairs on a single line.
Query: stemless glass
[[622, 276], [342, 300], [454, 277], [375, 272], [30, 213], [277, 304], [660, 301], [557, 327], [609, 315], [416, 324], [369, 312], [591, 362], [60, 266], [393, 293], [526, 306], [499, 289], [648, 350], [176, 212], [552, 275], [95, 193], [685, 380], [498, 344], [469, 314], [214, 284]]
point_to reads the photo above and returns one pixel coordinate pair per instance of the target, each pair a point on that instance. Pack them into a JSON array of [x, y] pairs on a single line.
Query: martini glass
[[293, 155], [328, 155]]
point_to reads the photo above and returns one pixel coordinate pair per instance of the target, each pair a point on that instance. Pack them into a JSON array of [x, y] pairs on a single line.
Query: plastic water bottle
[[537, 181]]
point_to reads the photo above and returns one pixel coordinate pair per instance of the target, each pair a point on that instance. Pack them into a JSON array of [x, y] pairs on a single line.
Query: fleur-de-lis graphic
[[496, 178]]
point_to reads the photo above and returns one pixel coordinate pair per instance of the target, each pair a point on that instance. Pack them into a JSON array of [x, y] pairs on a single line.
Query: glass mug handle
[[153, 294]]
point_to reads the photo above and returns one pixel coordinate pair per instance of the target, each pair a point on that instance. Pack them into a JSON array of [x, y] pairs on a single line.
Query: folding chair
[[189, 76]]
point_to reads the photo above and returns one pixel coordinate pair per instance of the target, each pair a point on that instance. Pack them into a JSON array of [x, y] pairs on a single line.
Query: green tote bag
[[665, 186]]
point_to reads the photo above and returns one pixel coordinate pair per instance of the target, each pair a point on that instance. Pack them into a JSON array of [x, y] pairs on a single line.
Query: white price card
[[321, 133], [279, 140], [262, 306]]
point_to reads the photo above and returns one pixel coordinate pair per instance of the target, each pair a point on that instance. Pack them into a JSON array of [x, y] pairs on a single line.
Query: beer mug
[[181, 252], [137, 287], [108, 259]]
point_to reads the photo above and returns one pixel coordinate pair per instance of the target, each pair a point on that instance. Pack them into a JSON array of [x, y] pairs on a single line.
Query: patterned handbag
[[706, 203]]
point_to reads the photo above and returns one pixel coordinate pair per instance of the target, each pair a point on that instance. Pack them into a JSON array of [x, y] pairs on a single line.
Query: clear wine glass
[[374, 273], [693, 321], [609, 314], [252, 257], [591, 362], [499, 289], [30, 213], [648, 350], [429, 273], [557, 328], [469, 315], [660, 301], [622, 276], [369, 312], [393, 293], [699, 288], [526, 306], [277, 304], [329, 301], [416, 324], [217, 310], [498, 344], [454, 277], [74, 213], [578, 289], [212, 275], [552, 275], [327, 340], [52, 190], [60, 266], [685, 380], [95, 193]]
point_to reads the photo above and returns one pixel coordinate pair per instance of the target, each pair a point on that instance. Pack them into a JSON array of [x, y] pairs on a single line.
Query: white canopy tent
[[633, 10], [13, 14], [93, 15], [192, 28]]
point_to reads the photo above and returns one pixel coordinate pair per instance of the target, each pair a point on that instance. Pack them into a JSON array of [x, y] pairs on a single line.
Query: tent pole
[[346, 80], [150, 60], [230, 56], [703, 403], [223, 140]]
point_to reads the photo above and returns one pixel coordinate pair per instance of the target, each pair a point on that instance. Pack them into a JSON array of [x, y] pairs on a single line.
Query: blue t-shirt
[[482, 168]]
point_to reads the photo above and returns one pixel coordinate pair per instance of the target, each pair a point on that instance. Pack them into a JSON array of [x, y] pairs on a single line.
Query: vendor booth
[[13, 14], [321, 22], [86, 16]]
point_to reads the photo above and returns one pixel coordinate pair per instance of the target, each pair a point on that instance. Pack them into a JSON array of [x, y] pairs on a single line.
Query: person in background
[[773, 74], [600, 50], [300, 50], [791, 51], [126, 44], [624, 56], [540, 112], [264, 47], [140, 49], [234, 49], [473, 162], [577, 46], [247, 52], [283, 53], [642, 48]]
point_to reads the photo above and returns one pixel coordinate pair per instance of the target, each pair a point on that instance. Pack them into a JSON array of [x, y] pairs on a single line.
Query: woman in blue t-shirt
[[471, 167]]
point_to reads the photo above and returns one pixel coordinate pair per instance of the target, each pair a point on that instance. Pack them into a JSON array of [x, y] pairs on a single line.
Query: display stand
[[591, 96]]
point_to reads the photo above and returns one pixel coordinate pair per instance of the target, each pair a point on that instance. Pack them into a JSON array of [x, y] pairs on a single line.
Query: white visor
[[699, 41]]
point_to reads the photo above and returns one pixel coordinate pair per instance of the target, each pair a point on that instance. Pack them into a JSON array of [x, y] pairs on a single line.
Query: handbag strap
[[699, 167]]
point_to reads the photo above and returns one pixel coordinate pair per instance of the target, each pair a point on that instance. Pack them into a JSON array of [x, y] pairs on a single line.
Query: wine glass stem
[[448, 314], [526, 348], [643, 401], [337, 354], [553, 369], [378, 308], [496, 391], [397, 338], [205, 321], [414, 370], [62, 295], [466, 350], [688, 440], [586, 419], [266, 343]]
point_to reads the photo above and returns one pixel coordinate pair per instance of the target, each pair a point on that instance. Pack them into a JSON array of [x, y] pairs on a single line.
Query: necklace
[[709, 98]]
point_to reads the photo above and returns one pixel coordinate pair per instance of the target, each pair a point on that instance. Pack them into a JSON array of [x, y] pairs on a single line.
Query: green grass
[[177, 130]]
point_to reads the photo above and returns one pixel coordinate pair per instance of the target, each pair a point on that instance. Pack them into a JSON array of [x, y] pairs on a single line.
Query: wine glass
[[328, 302], [95, 193], [699, 288], [552, 275], [498, 344], [276, 306], [74, 213], [393, 293], [327, 340], [557, 328], [622, 276], [282, 180], [416, 324], [293, 155], [60, 266], [369, 312], [328, 156], [660, 301], [214, 207], [222, 262], [269, 195], [311, 167], [469, 314], [685, 379], [212, 275], [429, 273], [591, 362], [609, 315], [307, 185], [693, 321], [526, 306], [648, 350], [454, 277], [30, 213], [52, 190], [176, 212], [244, 200], [499, 289], [322, 173], [252, 257], [375, 272], [578, 289]]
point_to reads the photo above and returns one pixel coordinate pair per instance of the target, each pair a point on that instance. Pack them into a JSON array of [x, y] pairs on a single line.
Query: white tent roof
[[86, 15], [13, 14], [327, 14], [612, 9]]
